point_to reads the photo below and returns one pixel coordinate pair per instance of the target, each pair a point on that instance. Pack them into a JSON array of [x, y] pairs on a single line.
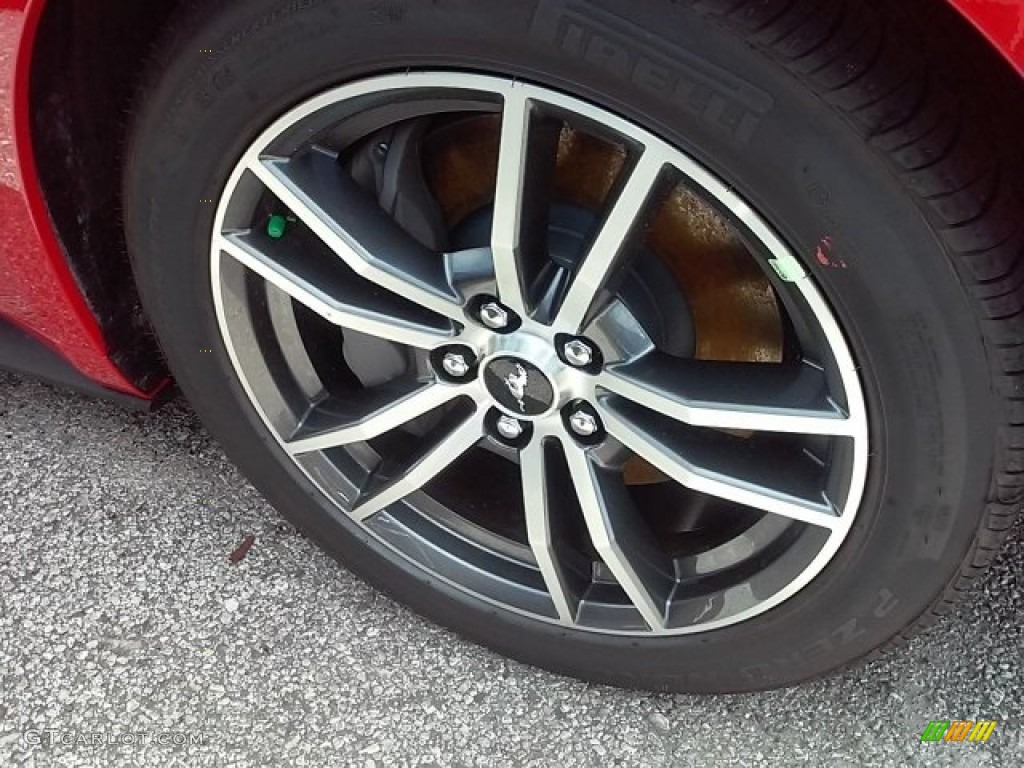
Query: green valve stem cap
[[276, 227]]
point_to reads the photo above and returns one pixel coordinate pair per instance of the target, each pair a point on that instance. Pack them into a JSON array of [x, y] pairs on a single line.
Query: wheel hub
[[518, 387]]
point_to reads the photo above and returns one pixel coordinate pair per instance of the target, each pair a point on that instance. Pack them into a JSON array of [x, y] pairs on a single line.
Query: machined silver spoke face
[[328, 201], [643, 570], [385, 409], [542, 530], [748, 396], [607, 250], [472, 311], [401, 481], [510, 198], [325, 289], [781, 487]]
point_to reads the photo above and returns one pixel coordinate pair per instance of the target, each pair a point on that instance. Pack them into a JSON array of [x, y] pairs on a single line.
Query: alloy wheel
[[476, 390]]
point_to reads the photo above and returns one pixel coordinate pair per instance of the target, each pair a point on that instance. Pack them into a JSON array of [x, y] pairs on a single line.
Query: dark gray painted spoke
[[426, 466], [323, 195], [777, 479], [541, 530], [621, 537], [745, 396], [378, 411], [605, 252], [336, 296]]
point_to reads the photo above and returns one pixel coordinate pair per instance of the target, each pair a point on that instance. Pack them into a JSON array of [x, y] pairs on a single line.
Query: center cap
[[519, 387]]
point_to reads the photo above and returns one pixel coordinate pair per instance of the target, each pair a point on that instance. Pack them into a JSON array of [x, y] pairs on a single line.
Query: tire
[[841, 137]]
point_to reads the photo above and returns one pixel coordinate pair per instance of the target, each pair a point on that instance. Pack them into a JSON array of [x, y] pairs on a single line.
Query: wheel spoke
[[339, 300], [385, 410], [508, 200], [420, 470], [540, 530], [744, 396], [770, 486], [622, 540], [526, 158], [607, 249], [326, 199]]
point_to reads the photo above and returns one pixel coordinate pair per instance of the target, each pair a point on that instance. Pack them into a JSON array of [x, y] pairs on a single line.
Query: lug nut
[[578, 353], [455, 364], [584, 424], [509, 428], [494, 316]]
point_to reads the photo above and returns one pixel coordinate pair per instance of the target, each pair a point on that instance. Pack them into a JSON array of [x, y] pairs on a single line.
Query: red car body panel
[[38, 291], [1002, 22]]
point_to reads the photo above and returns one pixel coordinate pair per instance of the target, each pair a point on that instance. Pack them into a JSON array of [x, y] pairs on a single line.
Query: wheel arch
[[87, 64]]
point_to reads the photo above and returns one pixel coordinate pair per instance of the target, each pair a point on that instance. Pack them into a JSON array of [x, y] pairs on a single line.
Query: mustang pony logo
[[516, 383]]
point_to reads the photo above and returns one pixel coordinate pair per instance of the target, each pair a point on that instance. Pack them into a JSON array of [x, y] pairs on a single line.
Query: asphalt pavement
[[128, 638]]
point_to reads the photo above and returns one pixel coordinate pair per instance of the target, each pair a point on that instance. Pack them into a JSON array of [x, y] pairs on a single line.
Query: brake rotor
[[735, 312]]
